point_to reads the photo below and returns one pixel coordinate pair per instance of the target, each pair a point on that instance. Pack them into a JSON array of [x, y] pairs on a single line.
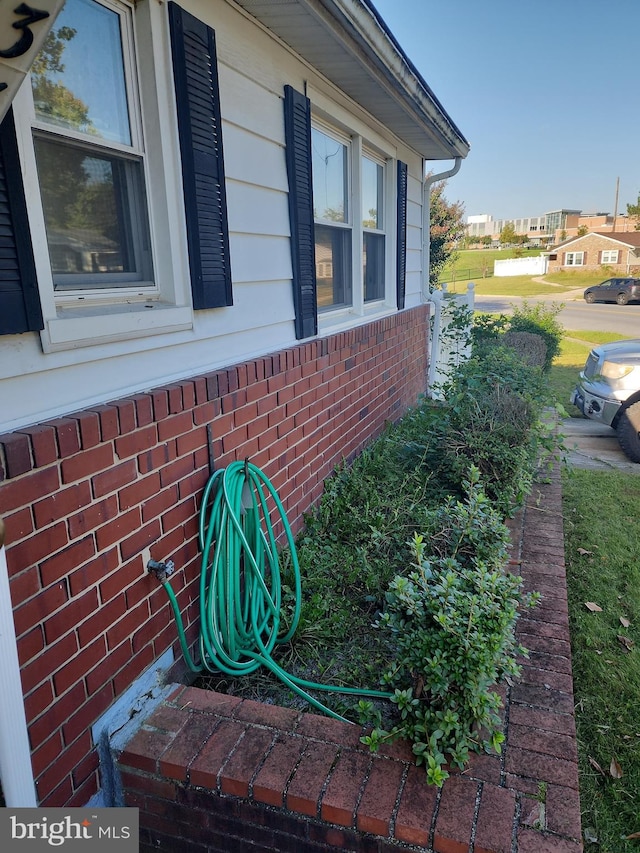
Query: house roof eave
[[349, 43]]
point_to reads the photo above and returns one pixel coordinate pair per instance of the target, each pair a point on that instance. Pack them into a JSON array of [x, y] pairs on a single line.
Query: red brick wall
[[83, 496]]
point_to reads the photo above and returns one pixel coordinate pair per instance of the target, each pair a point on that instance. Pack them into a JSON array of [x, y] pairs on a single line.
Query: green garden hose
[[240, 583]]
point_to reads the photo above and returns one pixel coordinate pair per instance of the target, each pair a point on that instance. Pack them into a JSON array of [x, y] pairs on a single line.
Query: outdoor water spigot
[[161, 570]]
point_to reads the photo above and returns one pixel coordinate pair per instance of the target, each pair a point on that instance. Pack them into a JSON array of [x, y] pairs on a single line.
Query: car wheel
[[590, 298], [628, 431], [622, 299]]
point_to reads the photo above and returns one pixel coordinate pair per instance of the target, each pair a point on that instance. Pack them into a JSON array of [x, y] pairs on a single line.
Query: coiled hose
[[240, 583]]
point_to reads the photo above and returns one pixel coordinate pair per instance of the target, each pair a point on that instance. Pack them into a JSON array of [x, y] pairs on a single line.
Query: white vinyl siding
[[130, 347]]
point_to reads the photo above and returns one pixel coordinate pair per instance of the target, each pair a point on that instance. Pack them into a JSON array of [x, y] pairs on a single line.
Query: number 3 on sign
[[30, 16]]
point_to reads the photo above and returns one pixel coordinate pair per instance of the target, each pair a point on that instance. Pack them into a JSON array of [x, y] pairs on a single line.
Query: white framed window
[[373, 228], [354, 199], [574, 259], [610, 256], [94, 212], [89, 152], [330, 158]]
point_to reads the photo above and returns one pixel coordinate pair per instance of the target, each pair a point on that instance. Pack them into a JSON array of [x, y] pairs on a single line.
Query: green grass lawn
[[517, 285], [602, 543], [476, 265], [479, 259]]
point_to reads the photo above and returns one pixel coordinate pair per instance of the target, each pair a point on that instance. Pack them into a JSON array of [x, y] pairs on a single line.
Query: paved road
[[576, 314]]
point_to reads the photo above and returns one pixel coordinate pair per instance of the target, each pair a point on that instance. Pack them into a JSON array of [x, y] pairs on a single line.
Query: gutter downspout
[[427, 296], [429, 181], [15, 754]]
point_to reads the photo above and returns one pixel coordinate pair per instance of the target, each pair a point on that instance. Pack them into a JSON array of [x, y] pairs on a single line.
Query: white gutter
[[429, 181], [16, 773]]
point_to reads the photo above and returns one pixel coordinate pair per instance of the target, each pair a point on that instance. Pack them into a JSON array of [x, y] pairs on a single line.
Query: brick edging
[[218, 767]]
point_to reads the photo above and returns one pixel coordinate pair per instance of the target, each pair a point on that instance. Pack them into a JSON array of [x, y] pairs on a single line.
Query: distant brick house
[[618, 251]]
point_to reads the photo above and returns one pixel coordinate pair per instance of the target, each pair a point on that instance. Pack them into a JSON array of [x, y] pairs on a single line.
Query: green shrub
[[491, 420], [530, 347], [541, 320], [453, 623], [486, 329], [537, 318]]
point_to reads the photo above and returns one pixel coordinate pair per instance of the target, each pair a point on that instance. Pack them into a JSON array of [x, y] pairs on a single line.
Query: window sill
[[86, 326], [338, 321]]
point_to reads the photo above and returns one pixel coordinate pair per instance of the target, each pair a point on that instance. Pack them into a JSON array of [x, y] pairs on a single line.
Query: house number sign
[[23, 29]]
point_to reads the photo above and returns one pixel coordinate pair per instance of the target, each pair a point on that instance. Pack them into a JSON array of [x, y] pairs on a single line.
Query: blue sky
[[546, 93]]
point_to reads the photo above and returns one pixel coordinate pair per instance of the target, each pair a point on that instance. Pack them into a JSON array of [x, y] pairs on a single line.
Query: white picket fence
[[521, 266], [450, 345]]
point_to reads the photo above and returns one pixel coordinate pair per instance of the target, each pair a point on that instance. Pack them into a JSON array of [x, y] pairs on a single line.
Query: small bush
[[487, 329], [538, 319], [453, 622], [530, 347], [491, 421], [543, 321]]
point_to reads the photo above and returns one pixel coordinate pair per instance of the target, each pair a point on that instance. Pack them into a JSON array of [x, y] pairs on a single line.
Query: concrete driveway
[[594, 446]]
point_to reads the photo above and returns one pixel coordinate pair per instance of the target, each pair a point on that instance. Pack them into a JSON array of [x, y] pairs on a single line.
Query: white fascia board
[[391, 61], [373, 69]]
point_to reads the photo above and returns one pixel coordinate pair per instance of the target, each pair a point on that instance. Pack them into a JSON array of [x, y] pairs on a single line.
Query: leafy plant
[[492, 421], [447, 227], [542, 320], [453, 624]]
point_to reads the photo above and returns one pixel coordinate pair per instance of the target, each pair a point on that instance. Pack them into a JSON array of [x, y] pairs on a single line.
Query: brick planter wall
[[212, 773], [88, 498]]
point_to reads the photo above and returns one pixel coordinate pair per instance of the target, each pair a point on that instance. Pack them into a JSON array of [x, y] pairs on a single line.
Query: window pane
[[92, 208], [373, 266], [78, 77], [372, 204], [329, 167], [333, 266]]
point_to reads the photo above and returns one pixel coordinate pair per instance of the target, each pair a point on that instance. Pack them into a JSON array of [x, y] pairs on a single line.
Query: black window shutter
[[401, 239], [20, 309], [297, 128], [195, 72]]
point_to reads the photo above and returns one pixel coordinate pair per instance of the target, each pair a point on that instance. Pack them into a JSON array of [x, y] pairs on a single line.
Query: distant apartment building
[[602, 223], [552, 228]]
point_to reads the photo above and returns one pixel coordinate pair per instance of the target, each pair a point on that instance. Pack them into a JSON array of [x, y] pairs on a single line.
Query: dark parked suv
[[620, 290]]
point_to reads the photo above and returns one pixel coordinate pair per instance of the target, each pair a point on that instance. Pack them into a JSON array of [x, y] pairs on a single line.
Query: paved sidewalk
[[594, 446]]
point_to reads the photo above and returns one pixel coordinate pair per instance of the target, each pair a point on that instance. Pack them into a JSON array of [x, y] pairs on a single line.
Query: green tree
[[634, 211], [508, 234], [51, 97], [582, 230], [447, 228]]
